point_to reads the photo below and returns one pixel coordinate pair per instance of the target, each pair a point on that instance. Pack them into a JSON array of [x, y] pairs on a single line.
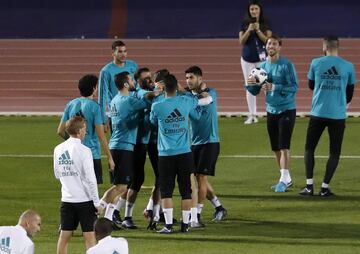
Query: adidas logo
[[5, 245], [65, 159], [331, 74], [174, 117]]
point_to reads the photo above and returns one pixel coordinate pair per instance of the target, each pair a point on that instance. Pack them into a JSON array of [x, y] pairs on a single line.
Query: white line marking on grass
[[240, 156]]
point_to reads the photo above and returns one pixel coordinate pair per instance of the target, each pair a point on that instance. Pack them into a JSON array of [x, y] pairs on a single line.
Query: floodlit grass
[[259, 220]]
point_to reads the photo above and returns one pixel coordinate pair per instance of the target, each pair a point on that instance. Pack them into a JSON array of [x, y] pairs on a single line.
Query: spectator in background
[[16, 239], [253, 35], [332, 80]]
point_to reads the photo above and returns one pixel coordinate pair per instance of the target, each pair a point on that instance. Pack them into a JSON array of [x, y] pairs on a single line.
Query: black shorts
[[205, 157], [317, 126], [124, 163], [280, 128], [153, 156], [73, 213], [98, 171], [170, 167]]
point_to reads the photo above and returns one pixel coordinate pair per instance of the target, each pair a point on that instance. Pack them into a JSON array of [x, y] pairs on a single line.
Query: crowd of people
[[177, 127]]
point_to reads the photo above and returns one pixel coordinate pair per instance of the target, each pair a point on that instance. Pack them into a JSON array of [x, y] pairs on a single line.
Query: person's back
[[172, 117], [332, 74], [14, 240], [90, 110], [69, 158], [110, 245]]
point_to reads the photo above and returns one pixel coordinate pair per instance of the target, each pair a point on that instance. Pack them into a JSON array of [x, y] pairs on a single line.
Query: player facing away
[[73, 166], [205, 146], [280, 92], [171, 115], [106, 243], [124, 124], [332, 80], [17, 239], [86, 107]]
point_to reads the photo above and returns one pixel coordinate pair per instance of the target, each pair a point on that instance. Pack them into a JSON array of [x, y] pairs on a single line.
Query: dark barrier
[[171, 19]]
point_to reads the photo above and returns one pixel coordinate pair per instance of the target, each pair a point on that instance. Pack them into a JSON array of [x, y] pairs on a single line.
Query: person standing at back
[[253, 35], [332, 80]]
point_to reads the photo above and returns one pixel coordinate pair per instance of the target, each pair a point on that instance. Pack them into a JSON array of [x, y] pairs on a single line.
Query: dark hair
[[140, 71], [170, 82], [74, 125], [194, 70], [275, 37], [87, 85], [331, 41], [117, 44], [121, 78], [248, 18], [103, 227], [160, 74]]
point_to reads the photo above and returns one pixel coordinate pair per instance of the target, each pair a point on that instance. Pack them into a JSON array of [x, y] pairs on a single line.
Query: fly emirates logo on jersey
[[5, 245], [174, 118], [66, 162]]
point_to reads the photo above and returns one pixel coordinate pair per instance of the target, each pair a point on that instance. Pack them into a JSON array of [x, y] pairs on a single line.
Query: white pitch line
[[236, 156]]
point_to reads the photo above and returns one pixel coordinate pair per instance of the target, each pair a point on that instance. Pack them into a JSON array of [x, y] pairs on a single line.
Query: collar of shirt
[[23, 231], [105, 239], [77, 140]]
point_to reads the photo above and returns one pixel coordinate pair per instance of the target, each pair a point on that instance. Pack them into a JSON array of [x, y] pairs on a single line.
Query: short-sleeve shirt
[[171, 115], [90, 110], [332, 74]]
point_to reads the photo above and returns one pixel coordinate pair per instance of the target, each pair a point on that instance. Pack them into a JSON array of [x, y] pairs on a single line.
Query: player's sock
[[168, 214], [109, 211], [103, 204], [215, 202], [156, 212], [129, 209], [120, 204], [150, 205], [285, 176], [324, 185], [309, 184], [199, 208], [194, 217], [185, 216]]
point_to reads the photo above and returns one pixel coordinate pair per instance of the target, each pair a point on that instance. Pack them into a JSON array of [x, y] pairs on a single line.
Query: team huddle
[[146, 114]]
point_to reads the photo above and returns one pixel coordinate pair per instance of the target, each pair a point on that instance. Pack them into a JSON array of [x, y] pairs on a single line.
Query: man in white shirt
[[107, 244], [73, 166], [16, 239]]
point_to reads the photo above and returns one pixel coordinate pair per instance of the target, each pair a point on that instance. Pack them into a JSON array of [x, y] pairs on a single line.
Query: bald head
[[30, 220]]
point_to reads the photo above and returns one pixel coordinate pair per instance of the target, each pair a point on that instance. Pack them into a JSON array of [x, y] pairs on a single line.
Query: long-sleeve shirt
[[74, 167], [14, 240]]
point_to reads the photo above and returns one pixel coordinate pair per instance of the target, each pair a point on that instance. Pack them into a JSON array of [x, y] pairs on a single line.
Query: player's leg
[[250, 99], [336, 133], [86, 213], [315, 129], [63, 241], [68, 224], [167, 174], [98, 171], [137, 182]]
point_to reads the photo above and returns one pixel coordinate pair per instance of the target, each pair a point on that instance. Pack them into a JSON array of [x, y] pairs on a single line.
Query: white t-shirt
[[110, 245], [74, 166], [14, 240]]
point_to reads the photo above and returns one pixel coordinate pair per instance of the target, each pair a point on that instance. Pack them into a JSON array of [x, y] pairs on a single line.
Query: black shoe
[[184, 227], [166, 230], [152, 226], [116, 218], [306, 192], [115, 226], [219, 215], [326, 192], [129, 224]]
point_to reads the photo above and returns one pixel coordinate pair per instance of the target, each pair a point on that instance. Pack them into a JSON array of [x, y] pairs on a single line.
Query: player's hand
[[107, 127], [251, 81], [99, 210], [181, 88], [111, 165], [159, 86], [204, 94], [203, 86], [267, 86]]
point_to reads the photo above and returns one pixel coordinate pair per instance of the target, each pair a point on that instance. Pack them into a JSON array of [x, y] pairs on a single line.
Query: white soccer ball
[[260, 75]]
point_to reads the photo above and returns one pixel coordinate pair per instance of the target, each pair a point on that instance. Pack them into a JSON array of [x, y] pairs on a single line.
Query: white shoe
[[251, 120]]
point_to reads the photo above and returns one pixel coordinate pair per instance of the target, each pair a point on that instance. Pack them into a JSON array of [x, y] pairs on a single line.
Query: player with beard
[[280, 91]]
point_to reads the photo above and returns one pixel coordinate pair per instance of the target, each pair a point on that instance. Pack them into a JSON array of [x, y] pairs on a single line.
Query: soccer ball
[[260, 75]]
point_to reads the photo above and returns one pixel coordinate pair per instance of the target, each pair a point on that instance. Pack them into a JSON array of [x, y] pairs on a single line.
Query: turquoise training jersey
[[124, 121], [145, 127], [90, 110], [107, 88], [204, 129], [332, 74], [171, 115]]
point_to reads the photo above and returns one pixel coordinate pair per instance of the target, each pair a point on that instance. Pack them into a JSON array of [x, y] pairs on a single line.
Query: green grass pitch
[[259, 220]]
